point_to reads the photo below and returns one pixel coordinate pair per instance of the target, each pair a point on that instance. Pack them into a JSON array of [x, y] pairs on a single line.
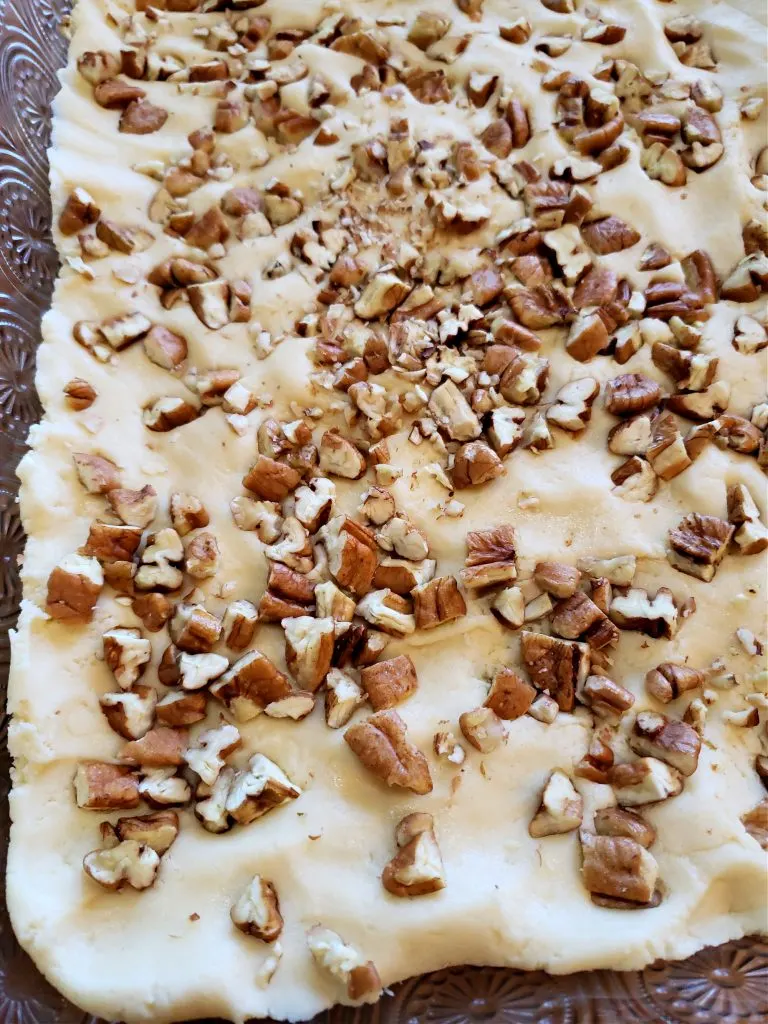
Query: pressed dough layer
[[171, 953]]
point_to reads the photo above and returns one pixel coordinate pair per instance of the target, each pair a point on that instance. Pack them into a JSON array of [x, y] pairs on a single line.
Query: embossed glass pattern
[[727, 985]]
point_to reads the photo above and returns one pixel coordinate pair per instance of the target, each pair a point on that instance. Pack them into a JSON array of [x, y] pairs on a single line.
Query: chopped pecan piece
[[126, 654], [557, 579], [438, 601], [560, 809], [259, 789], [417, 868], [667, 452], [657, 617], [631, 393], [676, 743], [490, 557], [609, 235], [74, 586], [382, 745], [142, 118], [249, 685], [257, 911], [271, 480], [161, 747], [559, 666], [588, 335], [572, 409], [179, 709], [605, 696], [475, 464], [206, 756], [755, 823], [194, 629], [510, 695], [158, 830], [351, 553], [345, 963], [129, 863], [575, 616], [339, 457], [388, 683], [668, 681], [343, 697], [309, 645], [100, 786], [644, 781], [619, 868], [698, 545], [483, 729], [618, 822]]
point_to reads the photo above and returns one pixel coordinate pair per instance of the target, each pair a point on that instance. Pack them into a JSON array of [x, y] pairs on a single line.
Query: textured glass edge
[[725, 984]]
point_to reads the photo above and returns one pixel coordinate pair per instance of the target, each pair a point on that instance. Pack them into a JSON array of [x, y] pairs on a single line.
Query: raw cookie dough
[[171, 952]]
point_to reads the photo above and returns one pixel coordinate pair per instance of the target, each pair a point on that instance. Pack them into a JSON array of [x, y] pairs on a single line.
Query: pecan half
[[381, 743]]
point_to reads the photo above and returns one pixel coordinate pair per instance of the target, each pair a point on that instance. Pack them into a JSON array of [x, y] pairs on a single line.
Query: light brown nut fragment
[[134, 508], [388, 683], [314, 503], [126, 654], [509, 607], [475, 464], [560, 809], [510, 695], [631, 393], [168, 413], [609, 235], [572, 408], [309, 644], [388, 611], [180, 709], [755, 823], [483, 729], [617, 822], [249, 685], [676, 743], [382, 745], [187, 513], [339, 457], [97, 474], [206, 755], [344, 963], [257, 911], [74, 586], [575, 616], [618, 867], [194, 629], [668, 681], [130, 714], [698, 545], [80, 394], [158, 830], [559, 666], [127, 864], [635, 609], [142, 118], [100, 786], [417, 868], [343, 697], [78, 212], [453, 413], [557, 578], [588, 335], [645, 781], [605, 697], [257, 790], [239, 624], [667, 453], [437, 601], [620, 571], [351, 554], [161, 747], [271, 480]]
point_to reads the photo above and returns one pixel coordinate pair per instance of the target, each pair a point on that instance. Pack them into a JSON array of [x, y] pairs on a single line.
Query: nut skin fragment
[[100, 786], [510, 695], [676, 743], [618, 822], [388, 683], [381, 744], [483, 729], [668, 681], [417, 868], [257, 911], [560, 810], [618, 867], [555, 665], [437, 602]]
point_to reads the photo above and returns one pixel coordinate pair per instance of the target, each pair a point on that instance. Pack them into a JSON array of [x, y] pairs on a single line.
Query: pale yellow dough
[[509, 899]]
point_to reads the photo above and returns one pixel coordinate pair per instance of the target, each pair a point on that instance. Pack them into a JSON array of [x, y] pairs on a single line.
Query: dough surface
[[171, 952]]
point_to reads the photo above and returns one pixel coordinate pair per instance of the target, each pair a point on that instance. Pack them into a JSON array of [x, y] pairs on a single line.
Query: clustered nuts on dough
[[460, 329]]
